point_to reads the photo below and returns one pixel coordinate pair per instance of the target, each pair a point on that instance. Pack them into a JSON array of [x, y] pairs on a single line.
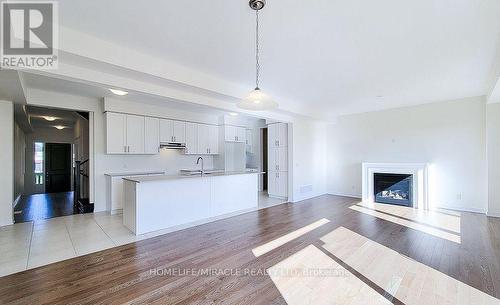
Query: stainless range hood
[[170, 145]]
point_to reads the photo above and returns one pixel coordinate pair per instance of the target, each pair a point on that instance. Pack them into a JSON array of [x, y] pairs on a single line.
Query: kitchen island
[[159, 202]]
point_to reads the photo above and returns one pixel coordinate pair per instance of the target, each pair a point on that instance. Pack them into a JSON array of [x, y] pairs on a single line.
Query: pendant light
[[257, 100]]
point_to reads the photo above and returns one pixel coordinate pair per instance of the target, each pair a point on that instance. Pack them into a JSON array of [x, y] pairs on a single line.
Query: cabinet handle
[[125, 148], [278, 142]]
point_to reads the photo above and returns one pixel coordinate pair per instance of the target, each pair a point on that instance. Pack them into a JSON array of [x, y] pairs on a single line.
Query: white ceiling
[[337, 57]]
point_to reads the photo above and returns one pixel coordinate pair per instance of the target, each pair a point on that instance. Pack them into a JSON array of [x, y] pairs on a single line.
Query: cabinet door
[[272, 183], [166, 131], [240, 134], [213, 140], [229, 133], [282, 158], [191, 139], [272, 135], [282, 136], [135, 134], [116, 133], [151, 135], [272, 159], [282, 183], [248, 137], [203, 139], [179, 131]]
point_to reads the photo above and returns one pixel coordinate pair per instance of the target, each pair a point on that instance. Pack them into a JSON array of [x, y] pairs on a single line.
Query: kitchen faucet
[[198, 161]]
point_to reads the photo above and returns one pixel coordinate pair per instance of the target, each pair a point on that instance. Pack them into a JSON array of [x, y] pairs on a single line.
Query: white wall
[[7, 161], [19, 160], [493, 132], [307, 141], [449, 135]]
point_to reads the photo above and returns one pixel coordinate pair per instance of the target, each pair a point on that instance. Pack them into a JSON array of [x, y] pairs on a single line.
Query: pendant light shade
[[257, 100]]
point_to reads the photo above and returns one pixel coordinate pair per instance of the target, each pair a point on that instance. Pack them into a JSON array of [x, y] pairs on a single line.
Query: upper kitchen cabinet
[[124, 133], [191, 139], [135, 134], [151, 135], [208, 139], [278, 134], [116, 133], [213, 134], [234, 134], [172, 131]]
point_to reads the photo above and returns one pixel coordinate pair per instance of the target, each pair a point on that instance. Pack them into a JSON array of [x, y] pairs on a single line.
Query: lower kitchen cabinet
[[277, 184]]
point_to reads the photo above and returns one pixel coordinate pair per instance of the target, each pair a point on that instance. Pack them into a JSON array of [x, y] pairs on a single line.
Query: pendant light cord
[[257, 64]]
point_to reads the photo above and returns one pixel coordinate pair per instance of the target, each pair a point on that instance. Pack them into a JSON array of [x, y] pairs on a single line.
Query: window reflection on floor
[[311, 277], [436, 223], [407, 280], [263, 249]]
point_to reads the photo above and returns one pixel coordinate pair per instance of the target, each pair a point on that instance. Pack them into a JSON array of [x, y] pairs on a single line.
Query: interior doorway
[[54, 180]]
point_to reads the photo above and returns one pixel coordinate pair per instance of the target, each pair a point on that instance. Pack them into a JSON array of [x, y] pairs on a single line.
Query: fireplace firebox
[[393, 189]]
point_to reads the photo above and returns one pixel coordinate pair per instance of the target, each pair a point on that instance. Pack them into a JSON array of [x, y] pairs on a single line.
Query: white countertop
[[173, 177], [126, 174]]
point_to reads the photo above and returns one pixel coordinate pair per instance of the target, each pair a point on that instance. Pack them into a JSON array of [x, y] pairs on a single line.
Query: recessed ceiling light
[[118, 92], [379, 96], [233, 114], [59, 127], [50, 118]]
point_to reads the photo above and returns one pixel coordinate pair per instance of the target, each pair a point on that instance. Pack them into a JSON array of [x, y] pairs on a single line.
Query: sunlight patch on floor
[[407, 280], [311, 277], [263, 249], [431, 222]]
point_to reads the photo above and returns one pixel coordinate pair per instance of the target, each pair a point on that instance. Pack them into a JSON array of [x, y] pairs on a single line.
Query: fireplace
[[393, 188]]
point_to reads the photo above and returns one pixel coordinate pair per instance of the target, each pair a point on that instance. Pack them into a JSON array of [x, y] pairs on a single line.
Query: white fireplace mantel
[[420, 180]]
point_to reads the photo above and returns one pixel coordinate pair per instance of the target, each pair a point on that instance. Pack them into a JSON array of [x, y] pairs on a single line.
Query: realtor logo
[[29, 35]]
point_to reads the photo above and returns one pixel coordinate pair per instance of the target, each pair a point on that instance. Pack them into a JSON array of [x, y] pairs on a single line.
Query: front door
[[57, 167]]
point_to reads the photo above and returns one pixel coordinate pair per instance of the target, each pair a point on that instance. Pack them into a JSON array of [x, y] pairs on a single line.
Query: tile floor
[[41, 242]]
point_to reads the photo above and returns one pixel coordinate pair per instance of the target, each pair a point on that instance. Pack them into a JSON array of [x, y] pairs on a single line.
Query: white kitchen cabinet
[[249, 141], [278, 134], [179, 131], [277, 184], [208, 139], [151, 135], [124, 133], [213, 136], [278, 159], [248, 137], [234, 134], [229, 133], [172, 131], [135, 134], [203, 139], [191, 139], [116, 133]]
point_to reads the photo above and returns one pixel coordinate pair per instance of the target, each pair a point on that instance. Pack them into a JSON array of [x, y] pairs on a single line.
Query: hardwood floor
[[137, 273], [44, 206]]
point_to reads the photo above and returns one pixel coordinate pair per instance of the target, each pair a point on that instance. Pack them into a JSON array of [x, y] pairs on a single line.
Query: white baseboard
[[473, 210], [493, 214], [357, 196], [306, 197]]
